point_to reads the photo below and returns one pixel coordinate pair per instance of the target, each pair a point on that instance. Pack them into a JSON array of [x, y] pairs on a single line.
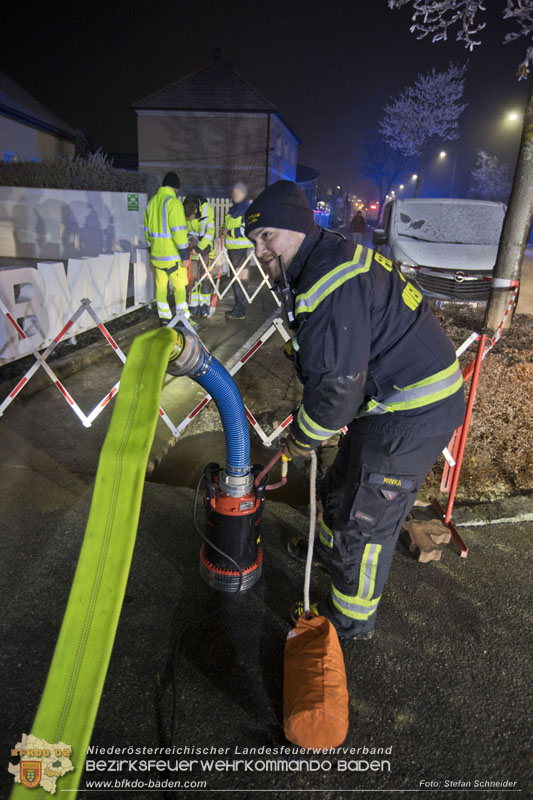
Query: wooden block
[[425, 536]]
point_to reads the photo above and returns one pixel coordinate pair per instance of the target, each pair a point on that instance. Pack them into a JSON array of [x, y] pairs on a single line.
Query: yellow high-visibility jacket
[[202, 229], [165, 228], [234, 224]]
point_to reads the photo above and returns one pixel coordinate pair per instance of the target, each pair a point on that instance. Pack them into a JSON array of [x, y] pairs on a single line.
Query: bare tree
[[490, 179], [382, 164], [426, 109], [434, 18]]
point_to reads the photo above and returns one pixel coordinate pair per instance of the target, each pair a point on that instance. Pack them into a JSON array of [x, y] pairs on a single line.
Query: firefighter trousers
[[366, 495], [178, 280], [200, 293]]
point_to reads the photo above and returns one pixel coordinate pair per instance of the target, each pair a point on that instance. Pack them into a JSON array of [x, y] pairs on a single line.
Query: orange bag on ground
[[315, 694]]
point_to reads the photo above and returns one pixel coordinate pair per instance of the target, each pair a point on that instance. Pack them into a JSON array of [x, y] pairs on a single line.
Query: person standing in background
[[238, 247], [358, 228], [165, 231], [200, 218]]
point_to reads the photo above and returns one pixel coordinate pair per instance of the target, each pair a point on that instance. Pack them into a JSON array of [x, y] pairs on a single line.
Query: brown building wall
[[209, 150]]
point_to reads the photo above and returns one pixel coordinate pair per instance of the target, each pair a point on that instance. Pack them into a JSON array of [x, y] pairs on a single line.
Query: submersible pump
[[231, 556]]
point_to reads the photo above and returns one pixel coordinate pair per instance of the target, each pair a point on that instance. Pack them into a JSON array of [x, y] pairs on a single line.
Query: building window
[[9, 156]]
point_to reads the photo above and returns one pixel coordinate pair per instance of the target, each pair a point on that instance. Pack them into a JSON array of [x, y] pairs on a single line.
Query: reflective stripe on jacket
[[202, 228], [165, 228], [367, 345], [234, 224]]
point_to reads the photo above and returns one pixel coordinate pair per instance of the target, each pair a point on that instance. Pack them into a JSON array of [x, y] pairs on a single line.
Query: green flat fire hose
[[73, 688]]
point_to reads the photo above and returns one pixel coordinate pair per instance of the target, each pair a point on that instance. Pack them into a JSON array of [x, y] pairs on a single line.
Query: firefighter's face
[[269, 243], [237, 194]]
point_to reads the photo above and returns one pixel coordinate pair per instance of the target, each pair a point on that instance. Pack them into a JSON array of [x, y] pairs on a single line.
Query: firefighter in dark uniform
[[371, 356]]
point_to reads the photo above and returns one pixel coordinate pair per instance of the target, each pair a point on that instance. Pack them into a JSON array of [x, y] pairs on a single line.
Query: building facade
[[28, 130], [214, 129]]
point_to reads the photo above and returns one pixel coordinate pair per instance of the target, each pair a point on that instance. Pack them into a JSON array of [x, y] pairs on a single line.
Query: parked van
[[447, 246]]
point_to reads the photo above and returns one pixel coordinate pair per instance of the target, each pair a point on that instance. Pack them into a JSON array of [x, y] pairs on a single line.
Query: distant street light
[[414, 176], [442, 154], [401, 185], [513, 116]]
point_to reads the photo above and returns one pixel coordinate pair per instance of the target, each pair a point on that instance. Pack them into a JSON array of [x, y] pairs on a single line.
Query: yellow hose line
[[76, 677]]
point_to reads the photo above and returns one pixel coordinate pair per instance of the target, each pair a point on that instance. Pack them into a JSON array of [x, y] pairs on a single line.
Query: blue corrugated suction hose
[[218, 382]]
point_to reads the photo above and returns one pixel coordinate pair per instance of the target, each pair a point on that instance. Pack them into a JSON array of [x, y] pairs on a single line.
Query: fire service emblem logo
[[41, 763], [30, 773]]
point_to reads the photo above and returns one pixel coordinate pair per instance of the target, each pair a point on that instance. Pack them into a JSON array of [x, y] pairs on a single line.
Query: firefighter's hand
[[291, 449], [222, 231]]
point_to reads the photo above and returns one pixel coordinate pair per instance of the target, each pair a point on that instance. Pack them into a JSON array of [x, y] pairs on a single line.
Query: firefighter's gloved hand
[[291, 449]]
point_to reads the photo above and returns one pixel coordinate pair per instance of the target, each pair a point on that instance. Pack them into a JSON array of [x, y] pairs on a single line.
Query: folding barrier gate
[[271, 326], [455, 450], [209, 271]]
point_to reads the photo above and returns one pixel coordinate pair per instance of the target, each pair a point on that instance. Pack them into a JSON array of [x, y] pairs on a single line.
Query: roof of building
[[19, 104], [305, 174], [217, 87]]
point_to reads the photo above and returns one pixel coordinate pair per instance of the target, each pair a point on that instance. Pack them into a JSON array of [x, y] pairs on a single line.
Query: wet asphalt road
[[444, 683]]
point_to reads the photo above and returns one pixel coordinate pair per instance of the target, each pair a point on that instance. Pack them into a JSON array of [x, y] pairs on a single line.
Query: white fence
[[55, 224]]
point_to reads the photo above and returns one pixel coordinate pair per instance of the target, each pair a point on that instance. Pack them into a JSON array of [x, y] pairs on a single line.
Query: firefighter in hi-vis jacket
[[165, 231], [371, 356]]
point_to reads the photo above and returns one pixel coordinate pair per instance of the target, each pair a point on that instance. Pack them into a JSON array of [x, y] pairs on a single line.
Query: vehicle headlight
[[407, 269]]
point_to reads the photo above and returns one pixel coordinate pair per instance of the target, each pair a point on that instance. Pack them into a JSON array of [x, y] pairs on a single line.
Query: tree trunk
[[420, 166], [516, 224]]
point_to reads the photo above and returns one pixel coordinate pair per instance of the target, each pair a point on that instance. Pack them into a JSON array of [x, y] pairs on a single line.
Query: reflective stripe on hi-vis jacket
[[165, 228], [325, 535], [308, 302], [312, 428], [363, 604], [429, 390], [202, 229], [234, 224]]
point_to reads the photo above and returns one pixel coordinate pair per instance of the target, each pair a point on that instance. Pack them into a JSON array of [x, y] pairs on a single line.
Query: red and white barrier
[[450, 452], [456, 447], [41, 361]]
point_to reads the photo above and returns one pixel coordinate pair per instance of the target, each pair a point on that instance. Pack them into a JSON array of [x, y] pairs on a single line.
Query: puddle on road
[[184, 463]]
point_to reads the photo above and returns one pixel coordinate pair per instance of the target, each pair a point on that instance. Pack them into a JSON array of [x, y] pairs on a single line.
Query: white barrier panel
[[59, 224], [42, 300], [211, 271]]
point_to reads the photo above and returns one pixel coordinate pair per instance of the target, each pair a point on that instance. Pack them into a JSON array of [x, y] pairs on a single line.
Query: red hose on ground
[[266, 470]]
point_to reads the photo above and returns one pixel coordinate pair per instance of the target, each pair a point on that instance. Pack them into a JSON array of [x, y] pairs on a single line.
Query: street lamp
[[512, 116], [442, 154], [414, 176], [401, 185]]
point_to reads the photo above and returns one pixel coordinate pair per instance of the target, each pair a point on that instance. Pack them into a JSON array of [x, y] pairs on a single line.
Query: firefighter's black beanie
[[280, 205], [172, 180]]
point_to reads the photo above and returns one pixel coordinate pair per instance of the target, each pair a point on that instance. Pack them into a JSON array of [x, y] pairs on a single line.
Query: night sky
[[328, 67]]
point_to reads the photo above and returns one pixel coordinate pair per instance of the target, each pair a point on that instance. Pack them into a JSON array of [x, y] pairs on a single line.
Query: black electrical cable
[[194, 622]]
